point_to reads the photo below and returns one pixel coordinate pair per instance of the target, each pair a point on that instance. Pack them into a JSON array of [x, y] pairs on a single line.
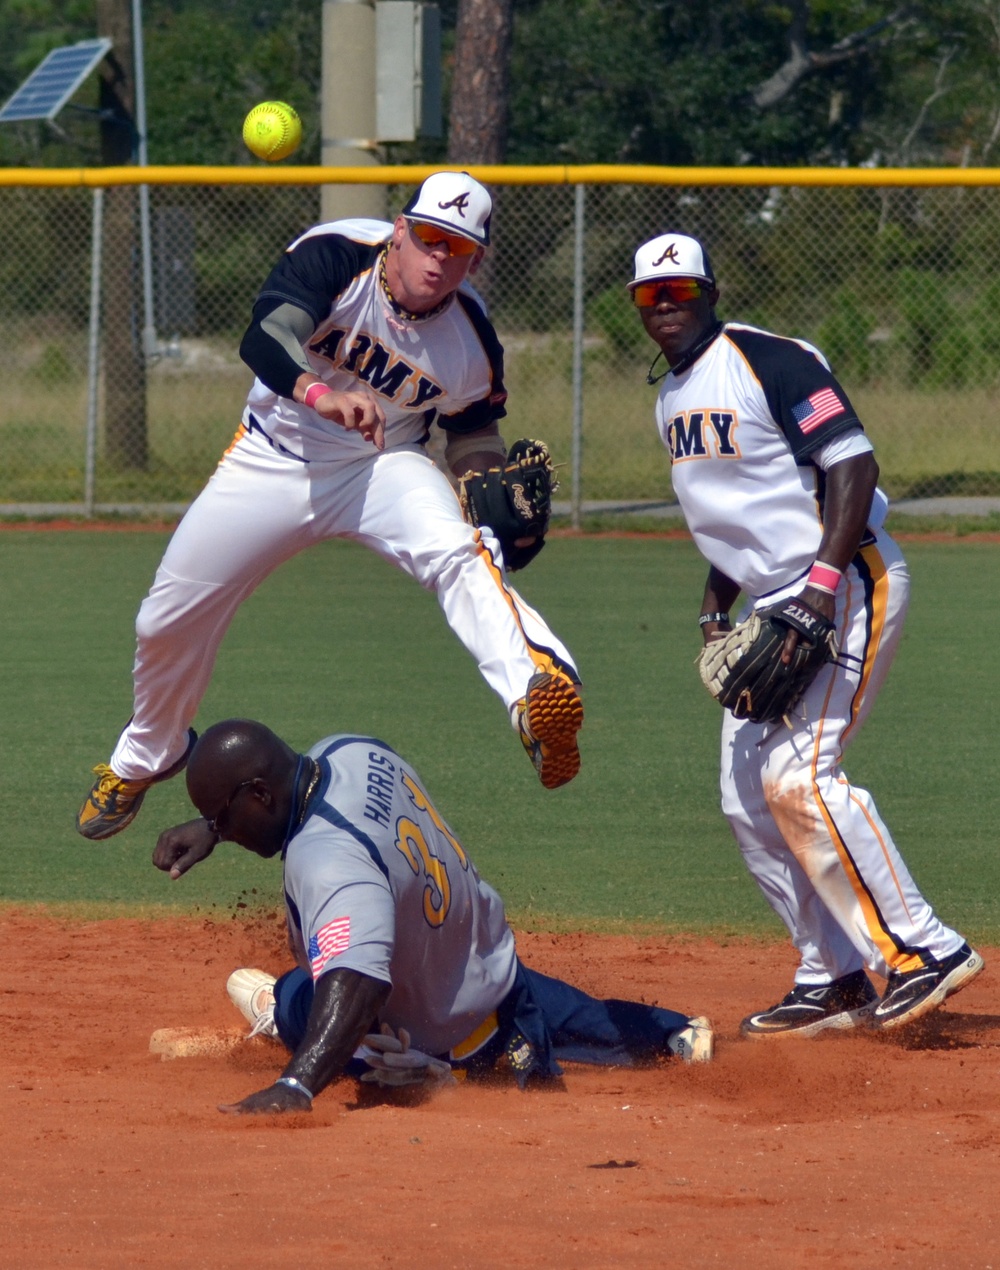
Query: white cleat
[[252, 992], [694, 1043]]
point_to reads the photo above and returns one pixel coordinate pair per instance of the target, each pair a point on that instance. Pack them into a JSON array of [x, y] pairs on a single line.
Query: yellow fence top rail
[[555, 174]]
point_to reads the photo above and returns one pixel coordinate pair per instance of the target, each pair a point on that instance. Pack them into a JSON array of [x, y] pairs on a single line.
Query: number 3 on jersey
[[412, 842]]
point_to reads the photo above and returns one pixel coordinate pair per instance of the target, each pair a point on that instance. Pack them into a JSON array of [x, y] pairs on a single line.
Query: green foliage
[[594, 81], [55, 366], [207, 63], [616, 317], [845, 335], [210, 63]]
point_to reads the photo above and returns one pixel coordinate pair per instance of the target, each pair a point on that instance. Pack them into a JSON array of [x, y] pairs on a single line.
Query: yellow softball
[[272, 130]]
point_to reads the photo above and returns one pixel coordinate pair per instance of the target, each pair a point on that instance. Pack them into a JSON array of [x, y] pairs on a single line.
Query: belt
[[476, 1039]]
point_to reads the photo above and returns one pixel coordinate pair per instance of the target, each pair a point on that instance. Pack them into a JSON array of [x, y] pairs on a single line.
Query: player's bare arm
[[720, 595], [344, 1008], [181, 847], [850, 486]]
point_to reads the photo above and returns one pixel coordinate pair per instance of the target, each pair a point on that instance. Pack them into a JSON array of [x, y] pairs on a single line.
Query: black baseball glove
[[515, 500], [744, 672]]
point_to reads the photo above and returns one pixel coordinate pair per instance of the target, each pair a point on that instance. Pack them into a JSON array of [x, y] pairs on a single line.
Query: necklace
[[297, 811], [394, 304], [310, 790]]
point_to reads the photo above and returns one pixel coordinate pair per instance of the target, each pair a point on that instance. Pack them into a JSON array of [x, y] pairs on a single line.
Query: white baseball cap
[[456, 202], [672, 256]]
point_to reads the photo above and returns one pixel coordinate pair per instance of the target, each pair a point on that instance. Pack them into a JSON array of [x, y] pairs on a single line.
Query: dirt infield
[[852, 1150]]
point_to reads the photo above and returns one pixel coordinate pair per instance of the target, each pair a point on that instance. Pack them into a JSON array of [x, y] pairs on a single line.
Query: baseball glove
[[744, 672], [515, 500], [391, 1061]]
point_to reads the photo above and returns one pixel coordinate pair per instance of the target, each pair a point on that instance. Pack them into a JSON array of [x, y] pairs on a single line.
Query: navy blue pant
[[554, 1018]]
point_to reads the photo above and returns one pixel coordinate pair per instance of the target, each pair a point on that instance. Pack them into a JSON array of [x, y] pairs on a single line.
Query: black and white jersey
[[446, 366], [741, 424]]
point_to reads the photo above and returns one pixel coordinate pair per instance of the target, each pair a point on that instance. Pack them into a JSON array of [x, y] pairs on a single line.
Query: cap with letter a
[[456, 202], [672, 256]]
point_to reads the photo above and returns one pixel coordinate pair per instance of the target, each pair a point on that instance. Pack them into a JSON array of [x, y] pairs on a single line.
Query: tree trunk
[[480, 95], [125, 430], [480, 85]]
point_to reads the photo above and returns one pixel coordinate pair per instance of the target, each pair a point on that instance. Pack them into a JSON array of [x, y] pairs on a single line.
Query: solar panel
[[51, 84]]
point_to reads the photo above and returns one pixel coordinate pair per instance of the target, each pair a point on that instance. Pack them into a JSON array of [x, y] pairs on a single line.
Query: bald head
[[242, 755]]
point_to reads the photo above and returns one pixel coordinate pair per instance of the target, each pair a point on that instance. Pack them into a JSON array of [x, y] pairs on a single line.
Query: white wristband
[[292, 1083]]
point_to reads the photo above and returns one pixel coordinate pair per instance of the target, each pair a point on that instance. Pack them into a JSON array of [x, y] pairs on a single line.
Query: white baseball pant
[[260, 508], [814, 842]]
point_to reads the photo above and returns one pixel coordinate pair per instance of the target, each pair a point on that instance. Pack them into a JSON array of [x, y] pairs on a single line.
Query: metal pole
[[578, 290], [348, 106], [150, 344], [93, 351]]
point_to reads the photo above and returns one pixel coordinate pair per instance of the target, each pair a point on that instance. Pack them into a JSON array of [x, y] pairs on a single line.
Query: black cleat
[[815, 1007], [912, 993]]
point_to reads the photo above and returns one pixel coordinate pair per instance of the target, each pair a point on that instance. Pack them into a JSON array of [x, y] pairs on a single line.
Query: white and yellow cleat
[[548, 720], [252, 992]]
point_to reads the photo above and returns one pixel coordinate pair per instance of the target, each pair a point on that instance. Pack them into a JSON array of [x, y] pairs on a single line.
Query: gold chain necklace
[[394, 304]]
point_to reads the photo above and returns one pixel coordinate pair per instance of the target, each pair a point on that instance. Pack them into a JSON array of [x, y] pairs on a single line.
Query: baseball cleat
[[912, 993], [548, 722], [252, 992], [810, 1008], [694, 1043], [114, 802]]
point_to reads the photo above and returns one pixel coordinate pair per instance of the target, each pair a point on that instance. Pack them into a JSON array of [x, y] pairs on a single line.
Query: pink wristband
[[824, 578], [314, 392]]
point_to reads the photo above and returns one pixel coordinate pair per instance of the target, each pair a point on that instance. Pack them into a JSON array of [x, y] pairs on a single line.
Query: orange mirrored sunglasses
[[677, 290], [431, 236]]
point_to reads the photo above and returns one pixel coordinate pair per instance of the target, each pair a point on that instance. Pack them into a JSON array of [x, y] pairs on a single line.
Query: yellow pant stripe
[[240, 433], [541, 657], [873, 918]]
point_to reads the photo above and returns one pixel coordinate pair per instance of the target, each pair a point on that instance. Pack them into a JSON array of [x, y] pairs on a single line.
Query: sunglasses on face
[[432, 236], [215, 823], [678, 290]]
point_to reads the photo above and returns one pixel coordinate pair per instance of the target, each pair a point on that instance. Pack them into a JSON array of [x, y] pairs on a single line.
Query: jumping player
[[363, 334], [391, 925], [777, 482]]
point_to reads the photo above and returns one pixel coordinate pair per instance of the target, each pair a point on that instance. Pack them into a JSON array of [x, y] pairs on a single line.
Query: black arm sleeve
[[273, 344], [305, 280], [804, 398]]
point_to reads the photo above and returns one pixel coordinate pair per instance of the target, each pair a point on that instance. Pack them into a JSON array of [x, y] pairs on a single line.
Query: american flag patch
[[822, 405], [329, 940]]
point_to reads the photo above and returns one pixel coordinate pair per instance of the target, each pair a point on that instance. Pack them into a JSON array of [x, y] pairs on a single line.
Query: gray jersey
[[375, 881]]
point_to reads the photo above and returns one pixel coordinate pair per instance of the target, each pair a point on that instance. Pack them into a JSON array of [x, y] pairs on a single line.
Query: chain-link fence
[[122, 384]]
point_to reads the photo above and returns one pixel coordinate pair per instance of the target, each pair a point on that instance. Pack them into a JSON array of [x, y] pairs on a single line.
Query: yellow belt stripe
[[477, 1039]]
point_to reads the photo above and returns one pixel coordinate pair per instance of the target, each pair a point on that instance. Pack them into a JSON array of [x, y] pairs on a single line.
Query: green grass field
[[336, 640]]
